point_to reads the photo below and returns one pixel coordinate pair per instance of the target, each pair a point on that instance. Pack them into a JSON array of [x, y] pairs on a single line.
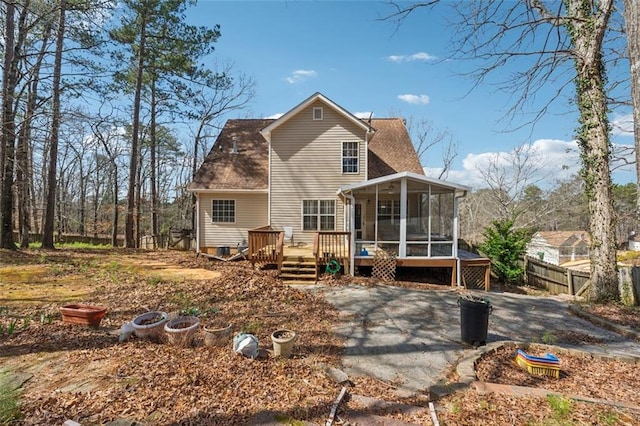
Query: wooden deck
[[268, 247]]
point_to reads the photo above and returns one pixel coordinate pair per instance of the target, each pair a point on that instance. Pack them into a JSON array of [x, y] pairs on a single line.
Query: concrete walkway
[[412, 337]]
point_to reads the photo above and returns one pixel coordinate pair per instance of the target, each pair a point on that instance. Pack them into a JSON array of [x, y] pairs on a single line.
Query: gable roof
[[563, 238], [248, 169], [266, 132], [390, 151]]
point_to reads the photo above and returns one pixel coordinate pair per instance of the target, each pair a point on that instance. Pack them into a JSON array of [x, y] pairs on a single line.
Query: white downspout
[[455, 235], [198, 224], [352, 231]]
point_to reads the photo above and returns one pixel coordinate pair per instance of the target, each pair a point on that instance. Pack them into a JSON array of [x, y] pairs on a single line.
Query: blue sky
[[293, 49]]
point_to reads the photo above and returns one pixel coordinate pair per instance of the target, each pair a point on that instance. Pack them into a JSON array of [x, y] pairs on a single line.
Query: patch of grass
[[455, 408], [154, 280], [46, 318], [252, 327], [628, 255], [608, 418], [183, 300], [561, 408], [286, 420], [549, 338], [76, 245], [191, 311], [9, 409], [113, 266]]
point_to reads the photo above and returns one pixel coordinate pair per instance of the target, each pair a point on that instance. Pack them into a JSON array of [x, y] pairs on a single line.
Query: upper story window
[[350, 163], [317, 113], [223, 211]]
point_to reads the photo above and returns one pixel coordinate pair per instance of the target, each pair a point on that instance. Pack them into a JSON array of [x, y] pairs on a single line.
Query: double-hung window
[[318, 215], [350, 157], [223, 211], [389, 210]]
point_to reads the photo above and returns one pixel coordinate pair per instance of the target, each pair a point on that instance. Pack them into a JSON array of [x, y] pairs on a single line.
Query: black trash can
[[474, 319]]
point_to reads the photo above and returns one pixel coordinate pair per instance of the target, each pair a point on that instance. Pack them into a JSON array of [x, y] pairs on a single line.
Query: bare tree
[[508, 175], [552, 36], [426, 138], [224, 92]]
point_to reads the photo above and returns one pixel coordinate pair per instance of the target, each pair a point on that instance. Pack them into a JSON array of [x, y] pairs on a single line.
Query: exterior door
[[359, 221]]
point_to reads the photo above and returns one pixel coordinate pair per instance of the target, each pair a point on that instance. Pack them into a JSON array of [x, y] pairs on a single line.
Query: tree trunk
[[114, 231], [587, 29], [47, 232], [632, 28], [7, 143], [83, 199], [24, 160], [153, 147], [129, 236]]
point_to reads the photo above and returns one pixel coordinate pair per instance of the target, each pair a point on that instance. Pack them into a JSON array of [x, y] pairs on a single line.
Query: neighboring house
[[558, 247], [319, 170]]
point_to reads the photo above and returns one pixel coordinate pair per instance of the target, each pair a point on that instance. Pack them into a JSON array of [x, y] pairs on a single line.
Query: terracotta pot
[[76, 313], [180, 331], [144, 325], [217, 335], [283, 341]]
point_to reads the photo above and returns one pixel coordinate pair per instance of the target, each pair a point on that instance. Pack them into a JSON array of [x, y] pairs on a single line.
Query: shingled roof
[[248, 168], [390, 151]]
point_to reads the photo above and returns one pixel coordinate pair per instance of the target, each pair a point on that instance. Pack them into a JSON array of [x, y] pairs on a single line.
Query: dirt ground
[[86, 374]]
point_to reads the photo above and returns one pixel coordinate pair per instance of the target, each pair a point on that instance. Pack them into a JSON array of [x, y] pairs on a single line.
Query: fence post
[[570, 281]]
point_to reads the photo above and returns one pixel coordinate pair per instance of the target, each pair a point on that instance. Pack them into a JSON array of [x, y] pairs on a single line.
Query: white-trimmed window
[[350, 157], [317, 113], [318, 215], [223, 211], [389, 210]]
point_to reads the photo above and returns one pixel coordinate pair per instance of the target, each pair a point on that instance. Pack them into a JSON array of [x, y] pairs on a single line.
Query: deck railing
[[332, 245], [266, 246]]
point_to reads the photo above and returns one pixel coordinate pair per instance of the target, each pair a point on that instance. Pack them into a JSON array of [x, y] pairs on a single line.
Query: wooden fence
[[556, 279]]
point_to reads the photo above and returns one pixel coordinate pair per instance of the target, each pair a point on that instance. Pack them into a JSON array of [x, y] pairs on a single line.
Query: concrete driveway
[[412, 337]]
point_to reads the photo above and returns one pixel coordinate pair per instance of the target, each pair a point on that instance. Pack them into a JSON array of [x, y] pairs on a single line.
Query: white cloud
[[420, 56], [300, 75], [364, 114], [414, 99], [275, 116], [555, 159], [622, 125]]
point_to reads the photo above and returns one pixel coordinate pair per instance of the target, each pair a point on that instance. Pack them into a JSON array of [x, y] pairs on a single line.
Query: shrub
[[505, 247]]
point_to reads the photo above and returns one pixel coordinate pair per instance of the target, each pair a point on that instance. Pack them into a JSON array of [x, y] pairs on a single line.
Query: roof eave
[[459, 189], [266, 132]]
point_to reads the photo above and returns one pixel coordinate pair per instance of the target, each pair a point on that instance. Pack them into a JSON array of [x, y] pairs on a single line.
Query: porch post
[[352, 231], [455, 238], [402, 250]]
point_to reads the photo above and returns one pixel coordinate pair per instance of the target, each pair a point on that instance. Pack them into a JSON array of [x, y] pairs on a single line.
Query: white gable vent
[[317, 113]]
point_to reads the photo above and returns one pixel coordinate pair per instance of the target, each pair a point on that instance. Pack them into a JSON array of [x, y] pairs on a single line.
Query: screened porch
[[406, 215]]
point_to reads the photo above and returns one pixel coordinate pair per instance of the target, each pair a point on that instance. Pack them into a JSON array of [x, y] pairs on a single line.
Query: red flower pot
[[83, 314]]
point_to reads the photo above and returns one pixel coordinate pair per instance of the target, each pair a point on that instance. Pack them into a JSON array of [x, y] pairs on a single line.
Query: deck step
[[298, 270], [298, 276]]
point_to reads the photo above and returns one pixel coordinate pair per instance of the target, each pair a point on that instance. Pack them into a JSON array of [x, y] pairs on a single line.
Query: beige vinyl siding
[[306, 164], [250, 213]]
